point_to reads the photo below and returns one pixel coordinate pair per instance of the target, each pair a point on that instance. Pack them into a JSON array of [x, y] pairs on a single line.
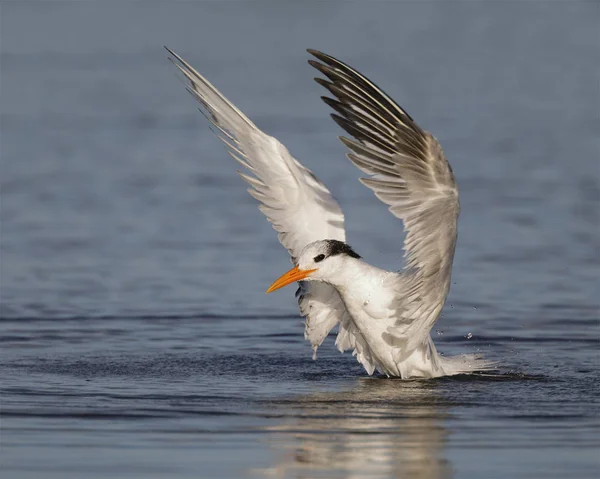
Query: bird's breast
[[370, 297]]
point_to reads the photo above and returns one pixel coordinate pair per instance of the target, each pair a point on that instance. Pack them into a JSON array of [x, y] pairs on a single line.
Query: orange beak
[[294, 274]]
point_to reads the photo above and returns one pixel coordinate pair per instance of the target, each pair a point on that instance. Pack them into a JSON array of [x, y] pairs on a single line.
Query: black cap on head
[[339, 247]]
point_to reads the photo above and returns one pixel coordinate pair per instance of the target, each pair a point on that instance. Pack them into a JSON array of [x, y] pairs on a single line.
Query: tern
[[385, 317]]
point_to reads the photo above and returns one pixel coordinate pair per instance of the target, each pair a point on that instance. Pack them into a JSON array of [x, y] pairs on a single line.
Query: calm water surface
[[136, 339]]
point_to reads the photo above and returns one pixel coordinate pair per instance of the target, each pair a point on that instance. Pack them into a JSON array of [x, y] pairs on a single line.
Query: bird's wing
[[299, 206], [407, 171]]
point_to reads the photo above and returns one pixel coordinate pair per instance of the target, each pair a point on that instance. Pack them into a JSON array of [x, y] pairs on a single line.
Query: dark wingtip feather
[[317, 54], [333, 88], [324, 83], [176, 59], [336, 105], [319, 66], [341, 121], [348, 126], [361, 134], [171, 59], [334, 75]]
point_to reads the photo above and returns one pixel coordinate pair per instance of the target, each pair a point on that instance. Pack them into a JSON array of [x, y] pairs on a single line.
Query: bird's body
[[385, 317]]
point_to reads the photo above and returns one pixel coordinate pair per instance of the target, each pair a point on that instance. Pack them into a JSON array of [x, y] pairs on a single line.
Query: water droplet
[[439, 332], [469, 336]]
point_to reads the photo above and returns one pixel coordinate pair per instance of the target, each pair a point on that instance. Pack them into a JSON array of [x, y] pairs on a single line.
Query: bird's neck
[[357, 279]]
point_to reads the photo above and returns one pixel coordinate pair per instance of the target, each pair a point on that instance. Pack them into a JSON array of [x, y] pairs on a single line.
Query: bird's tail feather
[[466, 364]]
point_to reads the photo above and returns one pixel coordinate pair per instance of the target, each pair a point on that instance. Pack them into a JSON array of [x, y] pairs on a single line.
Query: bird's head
[[319, 261]]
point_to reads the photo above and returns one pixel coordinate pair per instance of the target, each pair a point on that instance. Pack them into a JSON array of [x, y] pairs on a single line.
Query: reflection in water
[[381, 428]]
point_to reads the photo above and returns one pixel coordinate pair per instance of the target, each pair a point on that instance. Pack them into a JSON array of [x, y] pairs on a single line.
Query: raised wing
[[407, 171], [299, 206]]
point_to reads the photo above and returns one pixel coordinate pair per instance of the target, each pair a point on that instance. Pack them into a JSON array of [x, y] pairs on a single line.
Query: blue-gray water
[[136, 338]]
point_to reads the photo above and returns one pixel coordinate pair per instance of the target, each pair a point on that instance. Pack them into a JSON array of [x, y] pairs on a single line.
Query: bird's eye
[[319, 258]]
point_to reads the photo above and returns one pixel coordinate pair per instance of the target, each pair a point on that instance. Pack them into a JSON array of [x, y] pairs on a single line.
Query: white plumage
[[384, 317]]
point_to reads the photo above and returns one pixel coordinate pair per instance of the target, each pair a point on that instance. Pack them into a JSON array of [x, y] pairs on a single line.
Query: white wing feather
[[299, 206], [407, 171]]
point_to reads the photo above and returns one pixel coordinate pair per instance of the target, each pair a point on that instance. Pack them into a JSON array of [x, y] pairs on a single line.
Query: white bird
[[385, 317]]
